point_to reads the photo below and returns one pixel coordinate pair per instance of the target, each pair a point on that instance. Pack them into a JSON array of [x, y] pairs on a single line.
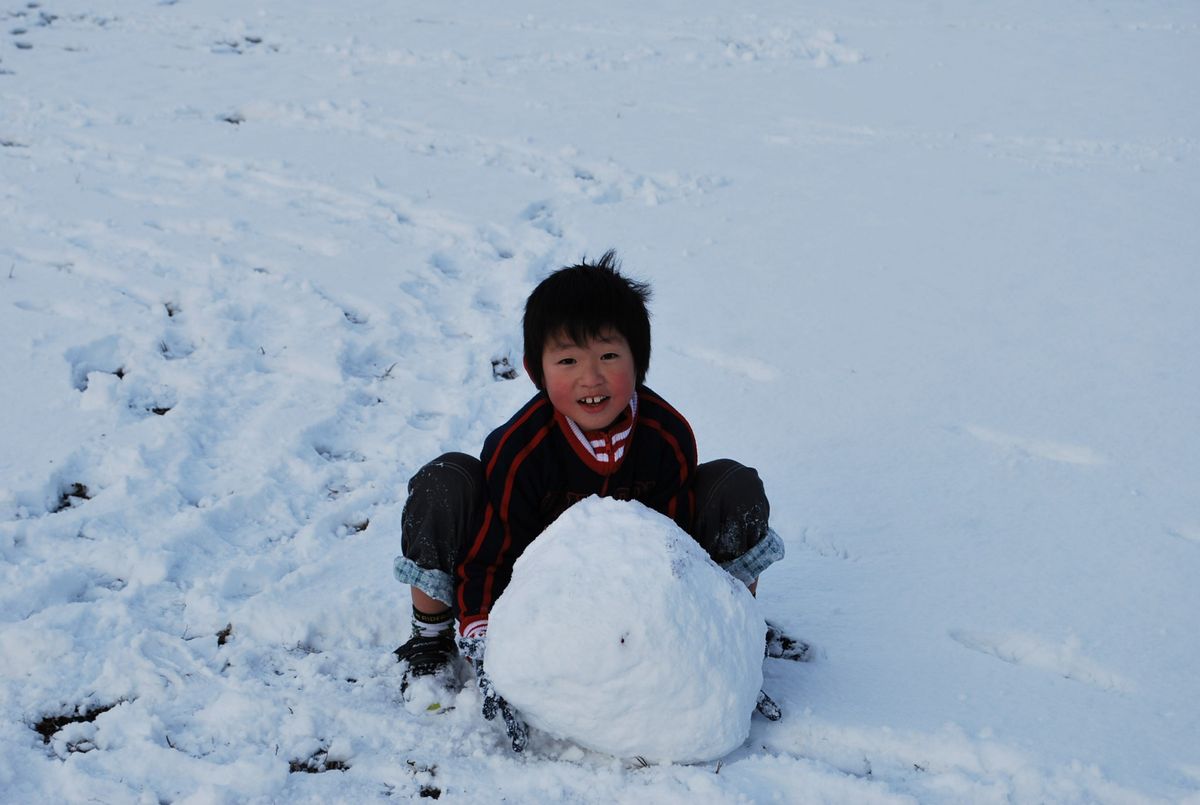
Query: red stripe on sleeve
[[500, 445], [491, 514], [477, 544], [505, 500]]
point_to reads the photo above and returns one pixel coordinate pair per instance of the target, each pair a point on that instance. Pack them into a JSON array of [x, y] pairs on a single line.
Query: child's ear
[[529, 374]]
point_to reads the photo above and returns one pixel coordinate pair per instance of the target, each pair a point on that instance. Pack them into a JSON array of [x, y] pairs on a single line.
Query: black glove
[[473, 649]]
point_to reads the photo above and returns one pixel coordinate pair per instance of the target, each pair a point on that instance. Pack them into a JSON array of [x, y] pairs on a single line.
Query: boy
[[593, 428]]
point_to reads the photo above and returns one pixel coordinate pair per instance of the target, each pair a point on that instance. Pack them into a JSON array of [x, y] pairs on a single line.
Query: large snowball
[[619, 633]]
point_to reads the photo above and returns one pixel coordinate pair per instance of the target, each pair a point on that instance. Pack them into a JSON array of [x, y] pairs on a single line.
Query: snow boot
[[431, 674]]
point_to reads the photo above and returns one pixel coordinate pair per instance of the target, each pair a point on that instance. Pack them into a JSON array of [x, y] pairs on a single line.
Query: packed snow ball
[[620, 634]]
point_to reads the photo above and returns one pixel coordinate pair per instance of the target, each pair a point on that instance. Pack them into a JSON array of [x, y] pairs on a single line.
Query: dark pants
[[447, 496]]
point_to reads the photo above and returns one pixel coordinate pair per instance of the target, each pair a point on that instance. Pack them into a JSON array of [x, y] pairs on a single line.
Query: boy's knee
[[730, 486], [445, 500], [743, 483], [449, 474], [732, 509]]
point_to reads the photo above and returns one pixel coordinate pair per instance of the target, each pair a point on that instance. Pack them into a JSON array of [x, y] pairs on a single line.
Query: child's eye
[[608, 356], [566, 361]]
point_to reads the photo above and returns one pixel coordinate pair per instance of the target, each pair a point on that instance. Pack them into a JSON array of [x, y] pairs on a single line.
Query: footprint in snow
[[105, 355], [355, 317], [174, 344], [744, 365], [334, 454], [72, 731], [1066, 659], [541, 216], [1061, 452], [1186, 532]]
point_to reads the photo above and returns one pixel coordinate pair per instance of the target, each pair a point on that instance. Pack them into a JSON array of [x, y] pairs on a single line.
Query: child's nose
[[592, 374]]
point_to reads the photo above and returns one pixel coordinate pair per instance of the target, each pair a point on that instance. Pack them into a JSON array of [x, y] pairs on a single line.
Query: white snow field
[[932, 268]]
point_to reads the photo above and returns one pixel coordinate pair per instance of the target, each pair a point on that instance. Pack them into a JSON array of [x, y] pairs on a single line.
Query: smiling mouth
[[592, 402]]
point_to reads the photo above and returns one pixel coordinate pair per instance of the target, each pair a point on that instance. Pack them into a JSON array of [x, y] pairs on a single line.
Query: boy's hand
[[473, 649], [783, 646], [493, 703]]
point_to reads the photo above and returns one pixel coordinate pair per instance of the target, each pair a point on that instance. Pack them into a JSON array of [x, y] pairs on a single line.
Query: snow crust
[[618, 632]]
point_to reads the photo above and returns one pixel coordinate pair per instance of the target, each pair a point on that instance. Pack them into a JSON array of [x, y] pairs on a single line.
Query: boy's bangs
[[580, 332]]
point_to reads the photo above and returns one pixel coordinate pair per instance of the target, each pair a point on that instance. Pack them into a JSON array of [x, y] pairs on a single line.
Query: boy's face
[[590, 383]]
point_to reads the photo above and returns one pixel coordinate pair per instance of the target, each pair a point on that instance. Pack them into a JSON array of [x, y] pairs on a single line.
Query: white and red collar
[[602, 450]]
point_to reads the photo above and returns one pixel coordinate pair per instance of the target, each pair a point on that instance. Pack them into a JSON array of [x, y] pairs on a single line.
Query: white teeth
[[593, 400]]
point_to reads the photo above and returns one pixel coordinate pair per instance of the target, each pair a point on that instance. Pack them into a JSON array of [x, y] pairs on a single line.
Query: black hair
[[581, 301]]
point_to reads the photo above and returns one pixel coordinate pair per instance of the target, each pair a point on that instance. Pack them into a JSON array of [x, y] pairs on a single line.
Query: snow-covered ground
[[930, 267]]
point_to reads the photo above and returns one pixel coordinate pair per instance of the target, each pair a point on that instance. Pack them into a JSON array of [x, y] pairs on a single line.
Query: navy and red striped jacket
[[536, 467]]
